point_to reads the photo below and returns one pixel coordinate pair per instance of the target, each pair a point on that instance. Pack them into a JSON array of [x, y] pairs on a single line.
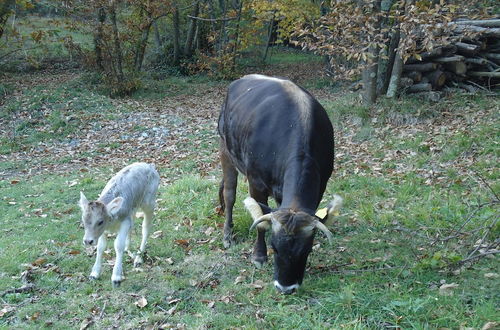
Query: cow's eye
[[100, 223]]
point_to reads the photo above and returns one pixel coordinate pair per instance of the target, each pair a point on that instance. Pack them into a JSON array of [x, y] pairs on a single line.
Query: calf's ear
[[114, 206], [83, 203]]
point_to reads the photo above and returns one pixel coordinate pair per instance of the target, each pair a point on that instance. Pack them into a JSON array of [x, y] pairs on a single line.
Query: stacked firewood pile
[[469, 64]]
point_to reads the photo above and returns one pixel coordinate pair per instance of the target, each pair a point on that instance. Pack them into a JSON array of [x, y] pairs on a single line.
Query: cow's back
[[268, 122]]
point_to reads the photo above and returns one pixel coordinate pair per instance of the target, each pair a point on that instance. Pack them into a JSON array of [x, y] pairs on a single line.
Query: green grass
[[203, 273], [50, 47], [49, 112], [392, 175]]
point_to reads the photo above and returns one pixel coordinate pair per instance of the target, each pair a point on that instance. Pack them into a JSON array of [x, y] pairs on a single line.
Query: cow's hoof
[[93, 278], [227, 243], [116, 284], [259, 261]]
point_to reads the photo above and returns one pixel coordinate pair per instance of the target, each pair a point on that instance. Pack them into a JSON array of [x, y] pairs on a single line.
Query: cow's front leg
[[101, 246], [120, 241], [259, 256]]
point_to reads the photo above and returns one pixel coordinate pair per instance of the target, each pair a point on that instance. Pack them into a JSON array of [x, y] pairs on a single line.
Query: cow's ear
[[331, 211]]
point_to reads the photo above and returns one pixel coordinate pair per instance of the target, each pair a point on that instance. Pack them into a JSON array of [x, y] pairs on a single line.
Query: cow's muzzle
[[286, 289]]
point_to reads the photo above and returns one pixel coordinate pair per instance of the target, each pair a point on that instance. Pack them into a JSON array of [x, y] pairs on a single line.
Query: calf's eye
[[100, 223]]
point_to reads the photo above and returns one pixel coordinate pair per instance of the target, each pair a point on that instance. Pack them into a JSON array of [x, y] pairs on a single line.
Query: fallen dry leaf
[[491, 275], [447, 289], [209, 231], [169, 261], [258, 284], [173, 301], [157, 234], [141, 303], [85, 324], [14, 181], [239, 279], [39, 262], [72, 183], [74, 252], [182, 242], [490, 326], [35, 316], [171, 311], [6, 309]]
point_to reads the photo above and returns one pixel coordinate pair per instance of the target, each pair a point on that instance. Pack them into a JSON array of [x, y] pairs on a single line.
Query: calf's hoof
[[138, 261], [116, 280], [259, 261]]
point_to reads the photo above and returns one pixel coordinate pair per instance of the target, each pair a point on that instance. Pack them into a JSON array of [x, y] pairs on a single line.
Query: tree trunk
[[117, 44], [188, 47], [397, 69], [175, 19], [421, 67], [5, 12], [425, 87], [237, 35], [98, 38], [436, 79], [222, 32], [385, 66], [142, 44], [158, 41], [383, 63], [370, 72], [268, 40]]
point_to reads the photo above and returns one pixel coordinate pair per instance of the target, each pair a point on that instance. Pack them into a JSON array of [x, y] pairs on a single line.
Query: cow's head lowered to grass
[[291, 238]]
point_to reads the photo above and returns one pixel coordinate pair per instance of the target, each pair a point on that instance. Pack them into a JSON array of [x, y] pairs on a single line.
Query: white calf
[[134, 187]]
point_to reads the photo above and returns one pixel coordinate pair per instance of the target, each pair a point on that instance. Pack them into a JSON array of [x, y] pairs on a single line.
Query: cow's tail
[[222, 206]]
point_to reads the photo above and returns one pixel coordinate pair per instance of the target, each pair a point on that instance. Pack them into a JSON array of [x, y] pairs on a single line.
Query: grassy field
[[420, 183]]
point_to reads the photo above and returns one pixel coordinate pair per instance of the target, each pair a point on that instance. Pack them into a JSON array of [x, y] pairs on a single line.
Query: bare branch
[[211, 19]]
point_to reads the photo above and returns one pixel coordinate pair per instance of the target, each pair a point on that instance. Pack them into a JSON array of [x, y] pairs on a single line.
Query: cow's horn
[[265, 217], [253, 207], [325, 230]]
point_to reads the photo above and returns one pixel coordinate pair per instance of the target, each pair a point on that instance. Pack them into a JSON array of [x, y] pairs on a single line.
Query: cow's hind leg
[[146, 228], [259, 255], [228, 188]]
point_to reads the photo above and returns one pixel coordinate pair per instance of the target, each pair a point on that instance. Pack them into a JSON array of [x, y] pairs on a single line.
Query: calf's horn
[[325, 230], [265, 217]]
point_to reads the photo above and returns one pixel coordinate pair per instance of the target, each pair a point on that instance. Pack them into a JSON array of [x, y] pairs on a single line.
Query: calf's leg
[[146, 228], [101, 246], [230, 181], [121, 237]]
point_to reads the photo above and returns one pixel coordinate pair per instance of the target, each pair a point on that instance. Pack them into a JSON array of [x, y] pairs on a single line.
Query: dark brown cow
[[278, 136]]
